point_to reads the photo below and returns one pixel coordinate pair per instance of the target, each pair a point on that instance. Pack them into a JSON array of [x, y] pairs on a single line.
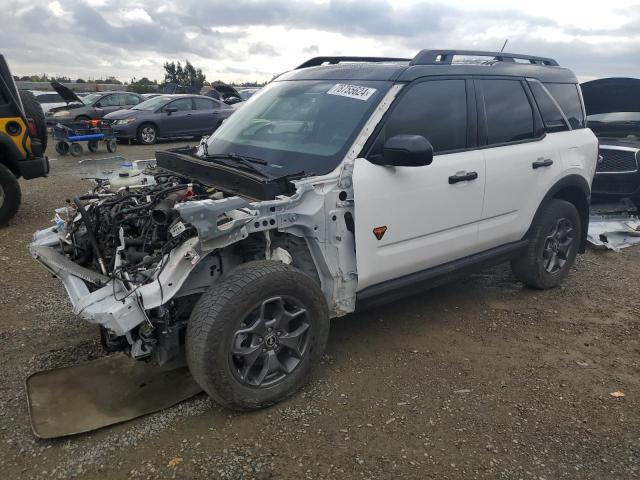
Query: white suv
[[346, 182]]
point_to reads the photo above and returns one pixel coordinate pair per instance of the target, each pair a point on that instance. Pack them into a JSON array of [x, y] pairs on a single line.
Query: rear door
[[522, 161], [207, 115], [426, 218]]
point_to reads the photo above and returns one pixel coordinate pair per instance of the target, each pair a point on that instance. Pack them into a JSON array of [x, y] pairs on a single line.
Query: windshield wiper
[[243, 160]]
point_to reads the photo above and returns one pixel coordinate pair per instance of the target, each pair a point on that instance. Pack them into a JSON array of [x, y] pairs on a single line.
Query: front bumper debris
[[107, 305]]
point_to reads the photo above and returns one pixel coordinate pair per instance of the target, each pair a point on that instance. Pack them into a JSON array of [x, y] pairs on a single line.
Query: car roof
[[431, 63]]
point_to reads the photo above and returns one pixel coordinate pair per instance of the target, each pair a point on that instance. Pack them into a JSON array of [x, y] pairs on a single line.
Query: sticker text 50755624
[[352, 91]]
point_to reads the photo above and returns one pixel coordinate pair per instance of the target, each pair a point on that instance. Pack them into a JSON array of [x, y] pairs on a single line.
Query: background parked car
[[246, 93], [91, 107], [170, 116], [613, 114], [48, 100]]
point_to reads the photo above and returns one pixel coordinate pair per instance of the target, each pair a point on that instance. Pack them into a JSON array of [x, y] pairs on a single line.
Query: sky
[[248, 40]]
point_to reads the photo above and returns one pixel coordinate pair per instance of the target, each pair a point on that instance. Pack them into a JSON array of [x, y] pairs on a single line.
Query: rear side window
[[566, 94], [437, 110], [508, 113], [203, 104], [551, 114]]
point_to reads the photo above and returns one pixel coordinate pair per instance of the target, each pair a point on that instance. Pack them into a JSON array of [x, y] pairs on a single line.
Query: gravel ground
[[477, 379]]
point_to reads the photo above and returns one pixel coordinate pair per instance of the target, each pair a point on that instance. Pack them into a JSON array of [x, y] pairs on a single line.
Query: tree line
[[186, 78]]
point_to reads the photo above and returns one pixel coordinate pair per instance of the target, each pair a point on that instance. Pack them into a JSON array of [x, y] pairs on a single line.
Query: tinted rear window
[[566, 94], [551, 115], [437, 110], [508, 112]]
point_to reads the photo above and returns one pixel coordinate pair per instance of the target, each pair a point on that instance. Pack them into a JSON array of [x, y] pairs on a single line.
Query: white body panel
[[429, 221]]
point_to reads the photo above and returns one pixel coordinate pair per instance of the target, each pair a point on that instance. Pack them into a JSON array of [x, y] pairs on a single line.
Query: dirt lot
[[477, 379]]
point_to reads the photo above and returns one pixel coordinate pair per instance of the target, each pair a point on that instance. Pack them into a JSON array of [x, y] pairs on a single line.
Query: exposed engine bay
[[136, 251]]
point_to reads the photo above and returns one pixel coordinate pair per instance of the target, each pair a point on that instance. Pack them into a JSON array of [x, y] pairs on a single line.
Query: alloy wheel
[[148, 134], [557, 245], [270, 342]]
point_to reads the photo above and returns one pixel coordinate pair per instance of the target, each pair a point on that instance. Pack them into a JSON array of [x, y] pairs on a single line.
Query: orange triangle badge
[[379, 232]]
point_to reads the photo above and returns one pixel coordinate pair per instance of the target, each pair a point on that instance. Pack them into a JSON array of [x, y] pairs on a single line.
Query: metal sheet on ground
[[110, 390]]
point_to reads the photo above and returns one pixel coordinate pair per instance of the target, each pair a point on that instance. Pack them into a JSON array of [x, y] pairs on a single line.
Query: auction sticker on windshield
[[352, 91]]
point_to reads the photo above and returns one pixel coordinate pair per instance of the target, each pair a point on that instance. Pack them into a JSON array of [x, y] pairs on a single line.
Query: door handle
[[542, 162], [462, 177]]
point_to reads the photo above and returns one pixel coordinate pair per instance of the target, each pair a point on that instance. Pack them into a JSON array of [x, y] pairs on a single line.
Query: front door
[[180, 122], [409, 219]]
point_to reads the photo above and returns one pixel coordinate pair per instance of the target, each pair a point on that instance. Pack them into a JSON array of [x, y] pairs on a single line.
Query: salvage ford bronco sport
[[345, 182]]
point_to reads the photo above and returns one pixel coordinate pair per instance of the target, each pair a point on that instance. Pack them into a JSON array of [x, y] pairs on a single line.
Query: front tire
[[553, 246], [10, 195], [255, 335], [147, 134]]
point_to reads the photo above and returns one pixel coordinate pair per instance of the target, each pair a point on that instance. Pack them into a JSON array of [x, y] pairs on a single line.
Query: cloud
[[263, 49], [247, 38]]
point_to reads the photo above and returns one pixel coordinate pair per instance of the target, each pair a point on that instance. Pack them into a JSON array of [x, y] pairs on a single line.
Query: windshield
[[91, 98], [151, 104], [299, 126]]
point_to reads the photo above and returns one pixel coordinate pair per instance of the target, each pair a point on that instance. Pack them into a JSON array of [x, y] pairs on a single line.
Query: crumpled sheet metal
[[614, 231]]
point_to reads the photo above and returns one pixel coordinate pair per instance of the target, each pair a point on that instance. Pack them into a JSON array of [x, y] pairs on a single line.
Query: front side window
[[299, 126], [436, 110], [183, 105], [508, 113], [112, 101], [566, 94]]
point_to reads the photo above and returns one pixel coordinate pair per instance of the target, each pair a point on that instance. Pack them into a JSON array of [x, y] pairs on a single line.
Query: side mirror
[[407, 151], [171, 110], [97, 105]]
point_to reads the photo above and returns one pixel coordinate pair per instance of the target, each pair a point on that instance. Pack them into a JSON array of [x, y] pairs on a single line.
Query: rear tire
[[553, 246], [10, 195], [255, 335], [33, 110]]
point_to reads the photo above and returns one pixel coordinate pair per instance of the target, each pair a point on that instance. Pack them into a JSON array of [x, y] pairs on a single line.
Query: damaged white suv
[[345, 182]]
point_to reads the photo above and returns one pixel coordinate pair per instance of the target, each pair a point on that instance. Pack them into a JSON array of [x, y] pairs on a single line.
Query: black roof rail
[[445, 57], [316, 61]]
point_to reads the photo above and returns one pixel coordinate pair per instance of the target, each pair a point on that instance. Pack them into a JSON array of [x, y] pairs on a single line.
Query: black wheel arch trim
[[566, 189]]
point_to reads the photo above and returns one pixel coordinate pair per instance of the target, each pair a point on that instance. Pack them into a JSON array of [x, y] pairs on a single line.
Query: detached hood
[[609, 95], [67, 94]]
